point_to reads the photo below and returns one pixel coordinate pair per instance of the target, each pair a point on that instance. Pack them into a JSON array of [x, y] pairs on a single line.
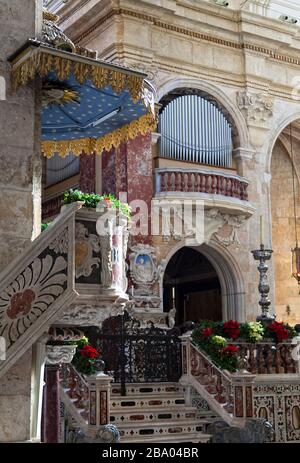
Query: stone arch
[[275, 133], [229, 274], [281, 166], [219, 95]]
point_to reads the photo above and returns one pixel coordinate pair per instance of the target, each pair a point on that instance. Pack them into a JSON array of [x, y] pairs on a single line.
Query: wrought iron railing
[[133, 354]]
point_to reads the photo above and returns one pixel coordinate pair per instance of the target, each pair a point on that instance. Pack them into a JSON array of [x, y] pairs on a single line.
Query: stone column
[[186, 366], [242, 384], [38, 370], [99, 390], [55, 355], [20, 192], [51, 406]]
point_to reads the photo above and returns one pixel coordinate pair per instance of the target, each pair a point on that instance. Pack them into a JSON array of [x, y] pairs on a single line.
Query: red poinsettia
[[107, 201], [208, 331], [229, 350], [279, 331], [89, 352], [232, 329]]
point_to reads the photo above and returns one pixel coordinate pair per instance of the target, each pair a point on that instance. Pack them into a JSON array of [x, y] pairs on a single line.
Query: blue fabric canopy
[[97, 112]]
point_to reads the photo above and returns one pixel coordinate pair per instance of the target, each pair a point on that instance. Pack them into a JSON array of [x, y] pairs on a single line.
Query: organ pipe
[[194, 129]]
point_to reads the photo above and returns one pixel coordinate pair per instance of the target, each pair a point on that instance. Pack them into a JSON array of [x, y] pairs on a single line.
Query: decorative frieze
[[90, 314], [279, 404], [228, 225], [221, 226]]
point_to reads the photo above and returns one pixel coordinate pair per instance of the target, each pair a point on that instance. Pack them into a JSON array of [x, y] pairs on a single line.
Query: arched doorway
[[192, 282]]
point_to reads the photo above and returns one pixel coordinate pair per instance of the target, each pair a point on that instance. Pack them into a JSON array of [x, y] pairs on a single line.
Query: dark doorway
[[192, 285]]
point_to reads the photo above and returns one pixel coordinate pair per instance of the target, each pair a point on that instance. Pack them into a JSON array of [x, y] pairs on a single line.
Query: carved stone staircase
[[61, 279], [157, 412]]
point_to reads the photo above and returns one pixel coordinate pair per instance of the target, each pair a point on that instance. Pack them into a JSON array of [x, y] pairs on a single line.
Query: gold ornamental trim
[[143, 125], [41, 62]]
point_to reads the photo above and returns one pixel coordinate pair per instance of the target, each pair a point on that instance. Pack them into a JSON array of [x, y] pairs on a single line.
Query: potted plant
[[87, 359]]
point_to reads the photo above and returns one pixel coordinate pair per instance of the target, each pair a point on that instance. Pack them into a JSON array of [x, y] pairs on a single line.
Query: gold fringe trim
[[143, 125], [42, 63]]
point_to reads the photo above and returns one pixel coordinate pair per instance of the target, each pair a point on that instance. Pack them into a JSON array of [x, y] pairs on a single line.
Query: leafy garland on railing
[[216, 338], [92, 200]]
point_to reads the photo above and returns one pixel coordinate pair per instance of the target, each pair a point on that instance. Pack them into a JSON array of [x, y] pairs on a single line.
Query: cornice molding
[[268, 52]]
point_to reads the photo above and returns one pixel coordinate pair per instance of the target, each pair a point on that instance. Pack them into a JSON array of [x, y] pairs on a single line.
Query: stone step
[[148, 389], [187, 438], [157, 430], [161, 415], [128, 403]]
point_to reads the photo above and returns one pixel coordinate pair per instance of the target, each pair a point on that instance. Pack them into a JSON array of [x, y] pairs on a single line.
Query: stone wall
[[20, 160], [287, 300], [231, 56], [20, 185]]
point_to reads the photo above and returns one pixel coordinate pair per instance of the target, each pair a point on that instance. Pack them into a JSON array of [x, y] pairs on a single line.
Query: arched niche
[[223, 100], [228, 273]]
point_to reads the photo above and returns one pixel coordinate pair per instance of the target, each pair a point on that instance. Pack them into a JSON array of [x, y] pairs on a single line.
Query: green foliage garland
[[92, 200], [214, 338]]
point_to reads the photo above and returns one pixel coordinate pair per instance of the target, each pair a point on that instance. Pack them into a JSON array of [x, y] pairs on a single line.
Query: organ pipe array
[[193, 129], [59, 169]]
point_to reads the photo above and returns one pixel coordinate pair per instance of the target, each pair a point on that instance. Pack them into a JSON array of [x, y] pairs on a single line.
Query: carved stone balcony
[[215, 187], [100, 274]]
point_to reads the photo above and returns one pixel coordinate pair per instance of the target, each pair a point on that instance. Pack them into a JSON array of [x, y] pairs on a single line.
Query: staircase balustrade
[[75, 393], [228, 394], [87, 399], [62, 277], [268, 357]]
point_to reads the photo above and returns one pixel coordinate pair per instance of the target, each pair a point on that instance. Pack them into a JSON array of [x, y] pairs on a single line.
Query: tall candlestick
[[261, 230], [173, 292]]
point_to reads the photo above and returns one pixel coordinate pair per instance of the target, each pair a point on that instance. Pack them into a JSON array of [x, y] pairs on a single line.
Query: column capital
[[59, 354], [243, 154]]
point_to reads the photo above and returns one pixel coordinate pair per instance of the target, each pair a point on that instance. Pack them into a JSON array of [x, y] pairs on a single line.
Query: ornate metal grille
[[136, 355]]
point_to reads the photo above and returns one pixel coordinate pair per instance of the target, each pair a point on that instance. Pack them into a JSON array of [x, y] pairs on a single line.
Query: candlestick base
[[263, 255], [266, 319]]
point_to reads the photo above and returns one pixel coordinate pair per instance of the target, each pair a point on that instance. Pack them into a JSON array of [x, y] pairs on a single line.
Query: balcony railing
[[268, 358], [197, 180]]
